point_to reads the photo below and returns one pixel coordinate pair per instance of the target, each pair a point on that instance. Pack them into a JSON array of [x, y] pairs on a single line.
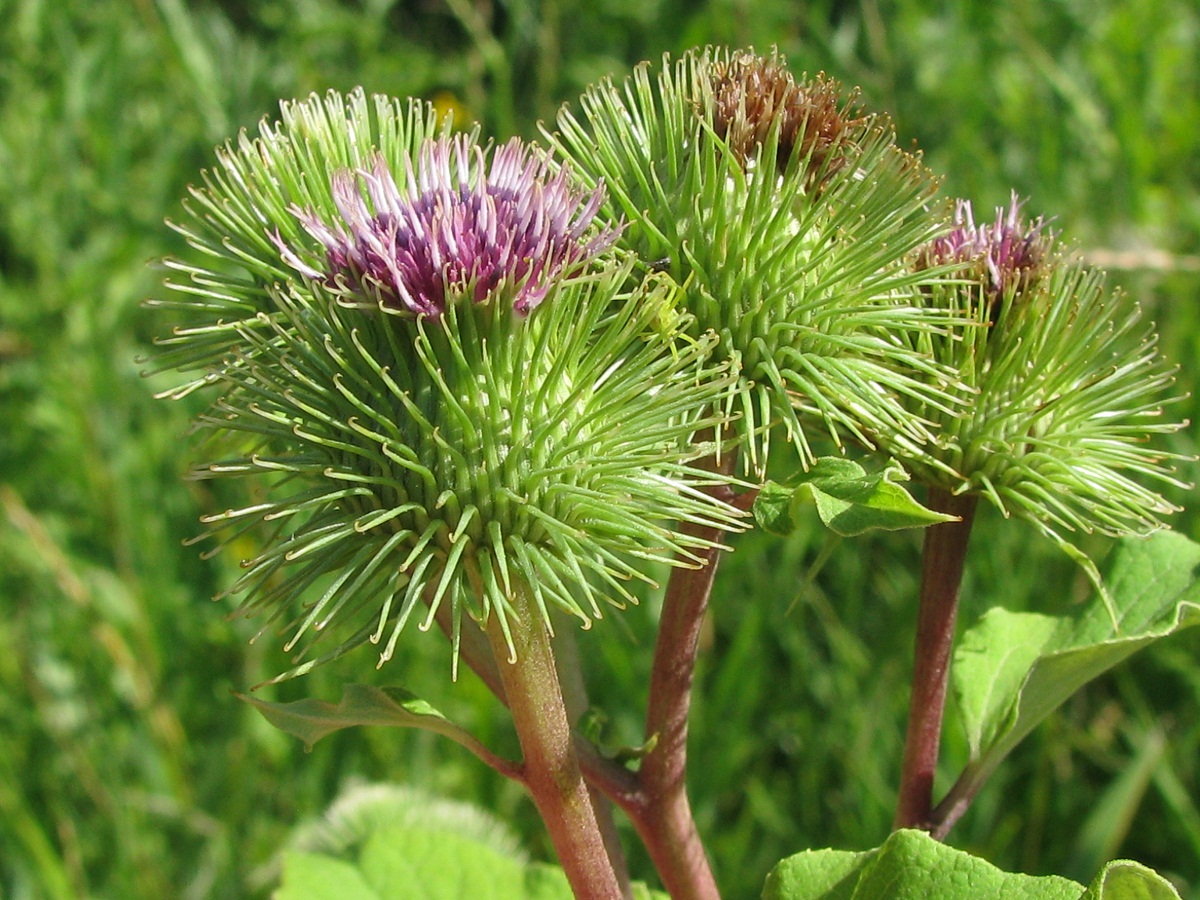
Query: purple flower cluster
[[1007, 255], [457, 231]]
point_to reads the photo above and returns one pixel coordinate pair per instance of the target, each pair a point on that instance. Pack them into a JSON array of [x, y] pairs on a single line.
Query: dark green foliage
[[127, 769]]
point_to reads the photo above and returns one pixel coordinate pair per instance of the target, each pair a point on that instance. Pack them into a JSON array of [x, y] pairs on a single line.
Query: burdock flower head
[[1062, 384], [786, 215], [457, 404], [1007, 256], [752, 96], [459, 229]]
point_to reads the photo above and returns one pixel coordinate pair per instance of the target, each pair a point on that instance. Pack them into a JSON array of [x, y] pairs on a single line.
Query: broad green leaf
[[848, 499], [910, 865], [812, 874], [991, 664], [1012, 669], [1122, 879], [441, 865], [412, 863], [404, 863], [773, 509], [315, 876], [361, 704]]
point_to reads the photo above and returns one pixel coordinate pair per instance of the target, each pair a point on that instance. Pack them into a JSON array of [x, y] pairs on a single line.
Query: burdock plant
[[493, 390], [1063, 387], [463, 409], [786, 213]]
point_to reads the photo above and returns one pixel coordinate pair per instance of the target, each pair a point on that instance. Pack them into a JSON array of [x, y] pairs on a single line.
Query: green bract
[[785, 215], [422, 463], [1061, 380], [247, 208]]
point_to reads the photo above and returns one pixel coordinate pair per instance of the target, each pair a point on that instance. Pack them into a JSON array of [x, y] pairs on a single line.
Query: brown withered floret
[[751, 93]]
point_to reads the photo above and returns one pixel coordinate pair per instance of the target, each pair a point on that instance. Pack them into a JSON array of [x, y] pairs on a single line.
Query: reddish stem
[[663, 816], [550, 767], [660, 810], [575, 697], [655, 799], [607, 780], [941, 577]]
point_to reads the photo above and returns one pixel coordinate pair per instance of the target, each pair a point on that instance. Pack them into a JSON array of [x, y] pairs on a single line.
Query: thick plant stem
[[943, 558], [613, 780], [575, 699], [550, 767], [663, 817]]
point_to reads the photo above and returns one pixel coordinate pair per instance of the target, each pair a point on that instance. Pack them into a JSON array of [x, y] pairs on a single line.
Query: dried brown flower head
[[753, 94]]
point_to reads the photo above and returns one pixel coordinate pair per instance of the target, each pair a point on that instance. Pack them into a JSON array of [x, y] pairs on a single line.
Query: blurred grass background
[[127, 769]]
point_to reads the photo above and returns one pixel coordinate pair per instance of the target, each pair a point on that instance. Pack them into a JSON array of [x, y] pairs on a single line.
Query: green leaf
[[398, 863], [910, 865], [992, 663], [413, 863], [1012, 669], [361, 704], [1125, 880], [848, 499], [827, 874], [315, 876], [773, 509]]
